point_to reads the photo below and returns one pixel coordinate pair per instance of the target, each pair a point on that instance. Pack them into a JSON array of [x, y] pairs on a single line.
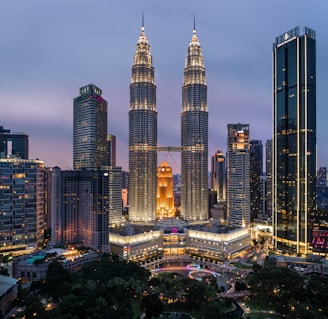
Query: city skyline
[[51, 50]]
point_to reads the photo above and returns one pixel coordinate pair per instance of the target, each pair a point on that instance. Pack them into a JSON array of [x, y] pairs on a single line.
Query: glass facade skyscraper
[[238, 175], [194, 136], [89, 129], [142, 135], [256, 171], [294, 139], [22, 203], [218, 175]]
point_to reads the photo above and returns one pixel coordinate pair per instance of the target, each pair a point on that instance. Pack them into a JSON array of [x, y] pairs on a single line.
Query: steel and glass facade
[[89, 129], [22, 202], [294, 139], [194, 136], [256, 172], [218, 175], [85, 203], [142, 135], [238, 175]]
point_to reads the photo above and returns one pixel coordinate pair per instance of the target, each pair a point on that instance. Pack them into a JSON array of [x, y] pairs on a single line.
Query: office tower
[[194, 136], [165, 195], [218, 175], [111, 150], [322, 188], [22, 199], [268, 172], [256, 171], [294, 139], [85, 203], [238, 175], [13, 144], [142, 135], [89, 129]]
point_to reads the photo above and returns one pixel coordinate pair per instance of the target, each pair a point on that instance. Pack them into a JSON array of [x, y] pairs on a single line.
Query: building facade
[[22, 201], [142, 135], [13, 144], [322, 188], [111, 149], [218, 175], [268, 173], [89, 129], [238, 175], [85, 204], [165, 192], [194, 136], [294, 139], [256, 171]]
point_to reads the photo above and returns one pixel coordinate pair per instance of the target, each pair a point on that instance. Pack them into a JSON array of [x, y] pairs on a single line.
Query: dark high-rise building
[[218, 175], [111, 149], [256, 171], [268, 173], [13, 144], [238, 175], [322, 188], [89, 129], [142, 135], [85, 203], [194, 136], [294, 139]]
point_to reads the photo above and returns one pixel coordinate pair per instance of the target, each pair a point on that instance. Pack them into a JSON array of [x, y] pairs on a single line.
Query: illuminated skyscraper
[[165, 194], [238, 175], [142, 135], [194, 136], [294, 139], [218, 175], [22, 204], [89, 129]]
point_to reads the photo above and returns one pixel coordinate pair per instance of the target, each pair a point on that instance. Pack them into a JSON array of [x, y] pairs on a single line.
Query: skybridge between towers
[[176, 149]]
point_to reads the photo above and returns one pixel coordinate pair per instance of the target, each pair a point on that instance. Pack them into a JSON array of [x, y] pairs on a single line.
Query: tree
[[152, 305]]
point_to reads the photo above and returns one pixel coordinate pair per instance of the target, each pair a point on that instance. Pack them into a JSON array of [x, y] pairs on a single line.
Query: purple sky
[[49, 49]]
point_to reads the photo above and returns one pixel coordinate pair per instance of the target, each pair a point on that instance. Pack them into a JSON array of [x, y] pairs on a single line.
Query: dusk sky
[[49, 49]]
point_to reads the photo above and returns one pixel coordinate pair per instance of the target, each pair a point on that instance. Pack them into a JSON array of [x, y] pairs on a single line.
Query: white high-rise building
[[238, 175]]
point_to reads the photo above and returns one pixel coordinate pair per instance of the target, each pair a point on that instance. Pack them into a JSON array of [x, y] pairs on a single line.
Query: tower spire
[[142, 22], [194, 23]]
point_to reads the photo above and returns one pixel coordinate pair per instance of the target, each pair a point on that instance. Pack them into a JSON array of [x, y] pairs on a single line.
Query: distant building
[[22, 201], [89, 129], [111, 149], [218, 175], [165, 194], [268, 172], [238, 175], [294, 140], [322, 188], [13, 144], [256, 171]]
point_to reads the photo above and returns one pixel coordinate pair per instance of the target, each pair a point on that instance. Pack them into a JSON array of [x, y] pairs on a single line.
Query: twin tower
[[143, 136]]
